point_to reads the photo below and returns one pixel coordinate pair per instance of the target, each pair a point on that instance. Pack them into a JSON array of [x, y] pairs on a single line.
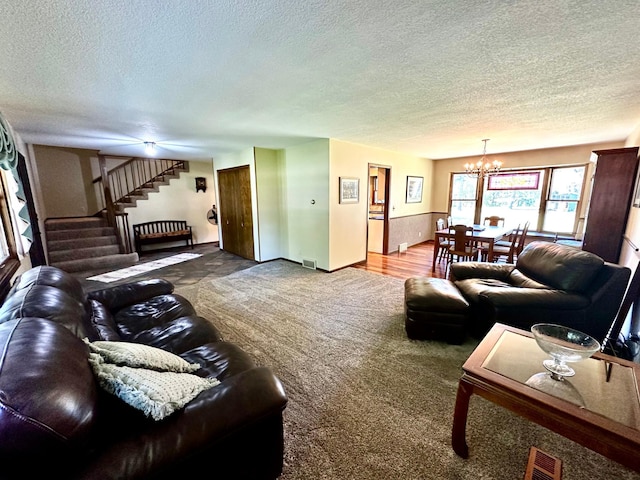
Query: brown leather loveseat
[[550, 283], [57, 421]]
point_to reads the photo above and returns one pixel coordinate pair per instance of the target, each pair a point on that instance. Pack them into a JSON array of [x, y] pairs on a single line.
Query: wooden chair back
[[522, 239], [494, 221], [462, 242]]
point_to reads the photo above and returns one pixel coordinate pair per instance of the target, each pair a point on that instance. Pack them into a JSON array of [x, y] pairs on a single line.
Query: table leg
[[436, 247], [458, 432]]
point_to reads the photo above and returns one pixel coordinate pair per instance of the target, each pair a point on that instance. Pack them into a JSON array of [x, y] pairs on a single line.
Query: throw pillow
[[156, 394], [141, 356]]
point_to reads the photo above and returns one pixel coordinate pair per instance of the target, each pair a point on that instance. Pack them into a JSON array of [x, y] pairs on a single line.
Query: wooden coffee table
[[599, 407]]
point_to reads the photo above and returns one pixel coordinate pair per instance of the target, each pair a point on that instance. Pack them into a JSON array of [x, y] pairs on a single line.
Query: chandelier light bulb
[[149, 148], [483, 167]]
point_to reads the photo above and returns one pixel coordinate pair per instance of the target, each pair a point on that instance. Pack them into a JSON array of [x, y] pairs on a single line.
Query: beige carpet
[[364, 401]]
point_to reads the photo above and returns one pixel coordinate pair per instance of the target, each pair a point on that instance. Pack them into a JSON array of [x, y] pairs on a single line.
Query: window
[[463, 198], [549, 198], [561, 212], [516, 196]]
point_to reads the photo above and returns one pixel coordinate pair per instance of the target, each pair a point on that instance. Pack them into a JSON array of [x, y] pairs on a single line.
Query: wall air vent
[[542, 466], [306, 263]]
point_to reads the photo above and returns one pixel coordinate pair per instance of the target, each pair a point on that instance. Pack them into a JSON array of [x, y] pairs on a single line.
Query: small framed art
[[414, 189], [349, 190]]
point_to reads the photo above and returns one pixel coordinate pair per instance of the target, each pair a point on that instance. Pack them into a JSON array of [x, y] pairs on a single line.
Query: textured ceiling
[[431, 78]]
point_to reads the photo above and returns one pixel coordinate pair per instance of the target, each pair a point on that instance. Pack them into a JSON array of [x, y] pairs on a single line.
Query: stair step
[[74, 223], [108, 262], [78, 233], [80, 253], [57, 245]]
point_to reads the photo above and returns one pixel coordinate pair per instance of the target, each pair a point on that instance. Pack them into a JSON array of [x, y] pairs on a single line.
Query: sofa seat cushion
[[559, 266], [179, 335], [219, 359], [140, 356], [503, 296], [157, 394], [153, 312], [518, 279], [48, 405], [473, 287]]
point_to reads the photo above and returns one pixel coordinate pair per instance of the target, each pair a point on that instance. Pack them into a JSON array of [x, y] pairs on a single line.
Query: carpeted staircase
[[82, 244]]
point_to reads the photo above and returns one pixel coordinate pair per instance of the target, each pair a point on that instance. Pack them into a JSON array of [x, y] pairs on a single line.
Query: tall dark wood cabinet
[[611, 195]]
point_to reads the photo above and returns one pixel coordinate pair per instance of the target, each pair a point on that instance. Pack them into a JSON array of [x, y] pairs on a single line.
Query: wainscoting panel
[[411, 230]]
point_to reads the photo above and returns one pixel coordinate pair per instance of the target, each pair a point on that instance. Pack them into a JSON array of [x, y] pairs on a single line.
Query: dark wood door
[[611, 196], [236, 218]]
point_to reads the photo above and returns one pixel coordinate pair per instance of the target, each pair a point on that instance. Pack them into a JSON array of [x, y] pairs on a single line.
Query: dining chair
[[508, 251], [445, 242], [463, 243], [494, 221], [522, 240]]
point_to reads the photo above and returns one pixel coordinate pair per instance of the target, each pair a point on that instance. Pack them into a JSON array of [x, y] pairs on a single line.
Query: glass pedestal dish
[[564, 345]]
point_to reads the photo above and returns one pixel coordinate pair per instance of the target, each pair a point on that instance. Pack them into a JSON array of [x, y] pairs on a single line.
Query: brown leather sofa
[[550, 283], [55, 421]]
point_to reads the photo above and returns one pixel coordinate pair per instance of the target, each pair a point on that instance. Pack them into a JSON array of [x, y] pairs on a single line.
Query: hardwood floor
[[416, 261]]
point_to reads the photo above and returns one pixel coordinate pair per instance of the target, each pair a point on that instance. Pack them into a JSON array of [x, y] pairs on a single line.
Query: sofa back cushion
[[560, 266], [53, 277], [43, 301], [48, 405]]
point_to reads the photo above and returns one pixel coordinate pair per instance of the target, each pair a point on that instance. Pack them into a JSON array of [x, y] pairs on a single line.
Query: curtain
[[17, 201]]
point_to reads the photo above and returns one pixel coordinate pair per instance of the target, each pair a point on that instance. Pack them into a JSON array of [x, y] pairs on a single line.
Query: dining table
[[481, 233]]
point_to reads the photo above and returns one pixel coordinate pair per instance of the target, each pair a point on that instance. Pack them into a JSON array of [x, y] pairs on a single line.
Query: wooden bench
[[161, 231]]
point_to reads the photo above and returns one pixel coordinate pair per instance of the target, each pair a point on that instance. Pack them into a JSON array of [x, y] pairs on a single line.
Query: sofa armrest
[[119, 296], [533, 298], [466, 270], [236, 405]]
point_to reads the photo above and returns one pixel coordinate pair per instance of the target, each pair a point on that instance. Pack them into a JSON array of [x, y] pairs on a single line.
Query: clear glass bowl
[[564, 345]]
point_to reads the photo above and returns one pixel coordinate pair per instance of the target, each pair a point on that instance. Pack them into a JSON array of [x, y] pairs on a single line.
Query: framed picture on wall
[[349, 190], [414, 189]]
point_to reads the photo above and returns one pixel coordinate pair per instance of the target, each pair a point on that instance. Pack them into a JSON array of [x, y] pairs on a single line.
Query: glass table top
[[519, 358]]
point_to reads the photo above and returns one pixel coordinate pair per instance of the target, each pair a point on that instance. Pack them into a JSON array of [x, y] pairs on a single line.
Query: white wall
[[270, 189], [180, 201], [238, 159], [306, 202], [348, 222], [66, 181]]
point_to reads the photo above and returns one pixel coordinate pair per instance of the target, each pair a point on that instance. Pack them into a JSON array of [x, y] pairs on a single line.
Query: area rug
[[141, 268], [364, 401]]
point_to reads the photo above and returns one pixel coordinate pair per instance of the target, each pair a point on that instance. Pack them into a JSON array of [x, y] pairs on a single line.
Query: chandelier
[[483, 167]]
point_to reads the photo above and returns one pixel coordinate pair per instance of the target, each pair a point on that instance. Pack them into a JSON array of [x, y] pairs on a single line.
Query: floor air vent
[[542, 466], [309, 263]]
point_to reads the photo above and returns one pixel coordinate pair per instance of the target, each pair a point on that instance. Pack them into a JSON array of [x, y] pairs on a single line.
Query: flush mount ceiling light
[[483, 167], [150, 147]]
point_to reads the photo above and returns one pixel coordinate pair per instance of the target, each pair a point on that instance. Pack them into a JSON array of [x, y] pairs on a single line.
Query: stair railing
[[125, 181]]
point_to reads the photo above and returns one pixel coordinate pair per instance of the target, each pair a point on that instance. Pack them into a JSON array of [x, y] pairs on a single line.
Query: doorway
[[378, 209], [236, 217]]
